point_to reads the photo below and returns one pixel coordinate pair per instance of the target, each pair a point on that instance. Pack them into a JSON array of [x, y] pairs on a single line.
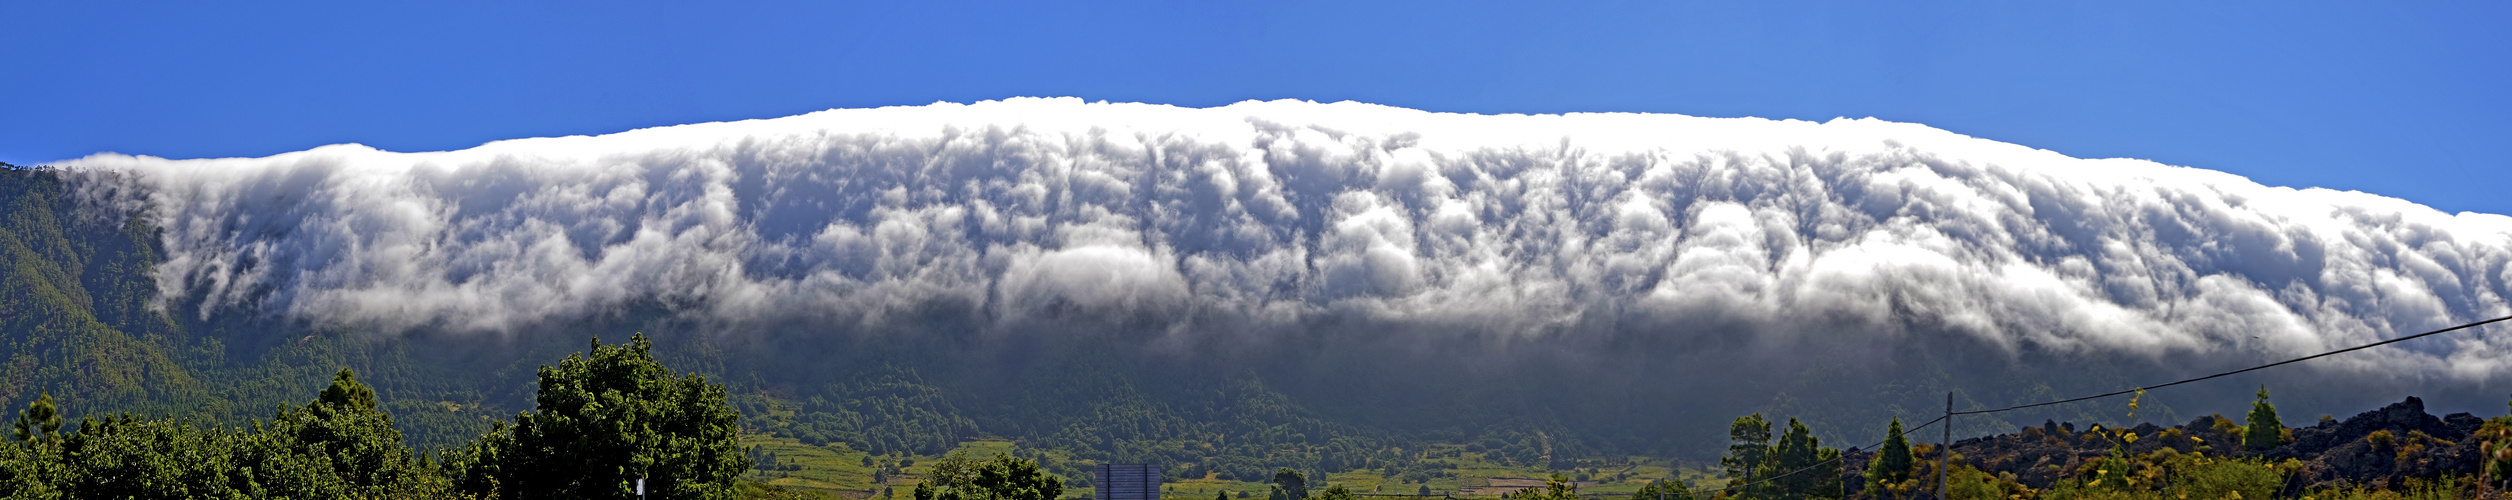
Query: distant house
[[1127, 482]]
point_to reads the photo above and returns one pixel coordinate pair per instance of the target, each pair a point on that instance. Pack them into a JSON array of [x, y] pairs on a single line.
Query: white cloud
[[1274, 213]]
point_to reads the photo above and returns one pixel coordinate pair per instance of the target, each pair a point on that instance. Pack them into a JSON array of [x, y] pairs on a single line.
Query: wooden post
[[1945, 448]]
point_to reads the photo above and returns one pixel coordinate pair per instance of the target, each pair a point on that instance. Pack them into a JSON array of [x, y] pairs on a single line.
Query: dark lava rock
[[2399, 418], [2334, 453]]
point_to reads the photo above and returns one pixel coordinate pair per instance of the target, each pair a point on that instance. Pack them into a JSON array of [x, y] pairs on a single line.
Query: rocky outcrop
[[2382, 448]]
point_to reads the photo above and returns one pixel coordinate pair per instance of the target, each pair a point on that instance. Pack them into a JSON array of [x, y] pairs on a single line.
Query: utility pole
[[1945, 447]]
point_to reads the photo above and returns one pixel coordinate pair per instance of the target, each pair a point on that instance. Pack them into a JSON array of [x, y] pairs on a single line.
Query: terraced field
[[837, 471]]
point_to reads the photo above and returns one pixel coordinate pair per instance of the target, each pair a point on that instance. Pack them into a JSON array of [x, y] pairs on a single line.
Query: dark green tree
[[26, 472], [1294, 485], [345, 392], [606, 418], [1827, 474], [1675, 489], [1225, 495], [40, 421], [1336, 492], [1004, 478], [1752, 437], [345, 429], [1892, 461], [1799, 450], [2265, 431], [1556, 488]]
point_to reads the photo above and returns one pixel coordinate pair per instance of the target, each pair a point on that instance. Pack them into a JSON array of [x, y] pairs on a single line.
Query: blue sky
[[2405, 101]]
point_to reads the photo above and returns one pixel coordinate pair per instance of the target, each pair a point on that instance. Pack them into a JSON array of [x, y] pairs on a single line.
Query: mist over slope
[[1354, 234]]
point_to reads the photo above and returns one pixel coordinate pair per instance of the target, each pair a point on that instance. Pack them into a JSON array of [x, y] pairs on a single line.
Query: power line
[[1948, 447], [2254, 368]]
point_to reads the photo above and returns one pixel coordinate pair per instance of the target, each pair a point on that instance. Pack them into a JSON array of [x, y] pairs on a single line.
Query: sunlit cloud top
[[1265, 216]]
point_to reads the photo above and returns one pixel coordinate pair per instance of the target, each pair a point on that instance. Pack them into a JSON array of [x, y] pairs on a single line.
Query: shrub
[[2381, 439]]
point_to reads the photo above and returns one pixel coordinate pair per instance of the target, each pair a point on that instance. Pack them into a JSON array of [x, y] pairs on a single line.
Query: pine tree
[[1892, 462], [1798, 450], [40, 421], [1752, 437], [2265, 431]]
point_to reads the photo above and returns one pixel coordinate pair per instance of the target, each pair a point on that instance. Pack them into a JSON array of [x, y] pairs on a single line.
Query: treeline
[[1241, 431], [2396, 452], [608, 422], [888, 411]]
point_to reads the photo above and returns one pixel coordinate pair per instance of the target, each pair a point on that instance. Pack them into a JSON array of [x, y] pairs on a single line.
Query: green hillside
[[75, 299]]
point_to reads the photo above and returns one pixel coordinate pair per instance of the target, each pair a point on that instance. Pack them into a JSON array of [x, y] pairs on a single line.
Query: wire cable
[[1948, 446], [2254, 368]]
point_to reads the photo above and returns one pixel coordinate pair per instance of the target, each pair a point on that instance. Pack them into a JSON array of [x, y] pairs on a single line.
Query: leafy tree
[[2264, 432], [1892, 462], [40, 421], [1004, 478], [1752, 437], [1336, 492], [606, 418], [1556, 488], [1294, 485], [1225, 495], [1675, 489]]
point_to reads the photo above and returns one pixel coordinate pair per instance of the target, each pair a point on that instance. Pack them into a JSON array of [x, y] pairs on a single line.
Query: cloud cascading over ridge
[[1266, 215]]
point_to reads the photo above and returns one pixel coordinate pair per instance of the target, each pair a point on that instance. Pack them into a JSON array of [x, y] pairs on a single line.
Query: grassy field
[[837, 471], [841, 471]]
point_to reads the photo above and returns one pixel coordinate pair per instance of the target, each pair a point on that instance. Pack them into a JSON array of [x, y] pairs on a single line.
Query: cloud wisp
[[1271, 215]]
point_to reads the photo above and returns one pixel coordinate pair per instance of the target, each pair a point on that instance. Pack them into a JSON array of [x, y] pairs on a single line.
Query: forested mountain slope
[[75, 292]]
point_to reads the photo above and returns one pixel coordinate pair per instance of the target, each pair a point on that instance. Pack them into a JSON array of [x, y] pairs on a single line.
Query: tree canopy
[[1005, 477], [606, 418]]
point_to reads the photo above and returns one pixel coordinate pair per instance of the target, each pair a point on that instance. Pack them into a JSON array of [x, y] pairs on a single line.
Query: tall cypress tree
[[1892, 462], [2265, 431]]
